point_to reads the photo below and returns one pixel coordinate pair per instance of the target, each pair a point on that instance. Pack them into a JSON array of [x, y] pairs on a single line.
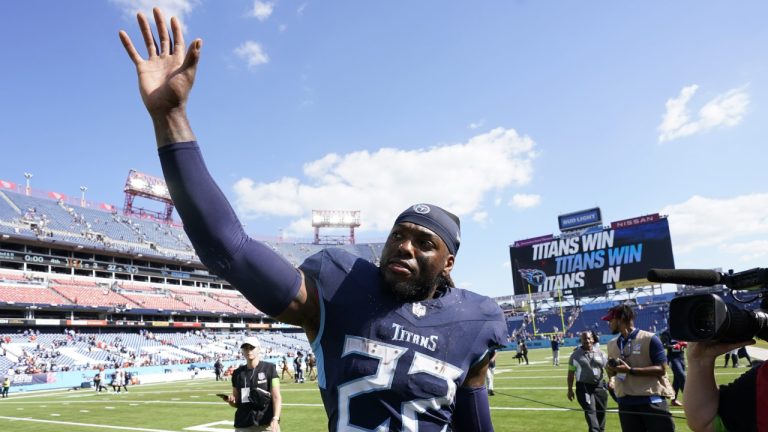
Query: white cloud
[[178, 8], [262, 10], [480, 217], [736, 225], [282, 28], [279, 198], [750, 250], [726, 109], [301, 8], [477, 124], [506, 264], [252, 53], [523, 201], [383, 183]]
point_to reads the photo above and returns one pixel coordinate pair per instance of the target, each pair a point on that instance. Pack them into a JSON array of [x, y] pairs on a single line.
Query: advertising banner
[[580, 219], [39, 378], [591, 264]]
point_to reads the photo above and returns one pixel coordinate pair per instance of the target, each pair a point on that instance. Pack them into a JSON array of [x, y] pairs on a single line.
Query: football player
[[398, 346]]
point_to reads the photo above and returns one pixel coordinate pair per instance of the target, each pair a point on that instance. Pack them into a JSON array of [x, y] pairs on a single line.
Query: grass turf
[[528, 398]]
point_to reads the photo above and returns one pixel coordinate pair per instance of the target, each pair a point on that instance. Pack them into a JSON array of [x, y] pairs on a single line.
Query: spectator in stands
[[637, 363], [344, 304], [255, 391], [586, 367], [738, 406]]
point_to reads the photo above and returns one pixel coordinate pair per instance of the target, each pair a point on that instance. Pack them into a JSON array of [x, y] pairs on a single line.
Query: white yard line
[[139, 402], [98, 426], [757, 352]]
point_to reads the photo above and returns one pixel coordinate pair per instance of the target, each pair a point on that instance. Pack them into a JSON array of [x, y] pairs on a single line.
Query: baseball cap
[[620, 311], [252, 341], [612, 314]]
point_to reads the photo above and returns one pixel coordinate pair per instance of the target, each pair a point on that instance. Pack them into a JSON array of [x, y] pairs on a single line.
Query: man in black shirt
[[218, 367], [255, 392], [523, 350]]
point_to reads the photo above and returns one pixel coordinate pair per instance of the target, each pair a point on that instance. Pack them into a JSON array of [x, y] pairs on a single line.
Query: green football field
[[528, 398]]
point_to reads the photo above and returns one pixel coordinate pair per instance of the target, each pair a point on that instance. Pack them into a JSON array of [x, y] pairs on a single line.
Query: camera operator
[[637, 362], [739, 406]]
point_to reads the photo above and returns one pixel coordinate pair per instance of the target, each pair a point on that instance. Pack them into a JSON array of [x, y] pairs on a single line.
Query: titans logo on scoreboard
[[534, 277]]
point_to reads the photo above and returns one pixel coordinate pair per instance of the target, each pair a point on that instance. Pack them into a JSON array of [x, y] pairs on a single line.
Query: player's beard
[[413, 291]]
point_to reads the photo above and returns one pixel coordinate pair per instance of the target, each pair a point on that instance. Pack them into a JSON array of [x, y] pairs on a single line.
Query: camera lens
[[703, 319]]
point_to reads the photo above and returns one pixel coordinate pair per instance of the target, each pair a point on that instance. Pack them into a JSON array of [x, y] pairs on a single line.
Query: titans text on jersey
[[390, 366], [428, 342]]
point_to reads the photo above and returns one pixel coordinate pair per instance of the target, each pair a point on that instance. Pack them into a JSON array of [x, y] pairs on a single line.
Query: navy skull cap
[[442, 222]]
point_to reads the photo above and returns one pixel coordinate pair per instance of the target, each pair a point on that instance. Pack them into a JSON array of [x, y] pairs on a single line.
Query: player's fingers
[[162, 31], [129, 48], [738, 345], [178, 37], [193, 55], [146, 33]]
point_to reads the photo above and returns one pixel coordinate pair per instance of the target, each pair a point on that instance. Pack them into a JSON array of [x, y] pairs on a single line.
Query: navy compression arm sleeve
[[472, 411], [265, 278]]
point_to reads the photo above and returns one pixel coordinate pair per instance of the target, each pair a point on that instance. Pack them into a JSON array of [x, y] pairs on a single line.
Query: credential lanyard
[[626, 343]]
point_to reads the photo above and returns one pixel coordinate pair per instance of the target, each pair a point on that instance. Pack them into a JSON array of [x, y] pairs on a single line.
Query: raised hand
[[709, 350], [167, 75]]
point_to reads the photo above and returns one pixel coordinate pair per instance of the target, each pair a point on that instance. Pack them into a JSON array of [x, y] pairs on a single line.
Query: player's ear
[[449, 264]]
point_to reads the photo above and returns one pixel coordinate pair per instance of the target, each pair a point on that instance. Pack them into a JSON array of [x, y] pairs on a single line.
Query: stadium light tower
[[82, 195], [150, 187], [335, 219], [28, 176]]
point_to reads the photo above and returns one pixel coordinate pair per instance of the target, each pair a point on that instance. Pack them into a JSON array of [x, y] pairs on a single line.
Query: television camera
[[707, 317]]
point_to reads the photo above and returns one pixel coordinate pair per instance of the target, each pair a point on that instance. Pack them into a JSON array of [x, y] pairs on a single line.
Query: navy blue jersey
[[384, 365]]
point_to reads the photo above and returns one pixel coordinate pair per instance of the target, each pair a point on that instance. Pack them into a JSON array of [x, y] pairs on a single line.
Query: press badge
[[245, 393]]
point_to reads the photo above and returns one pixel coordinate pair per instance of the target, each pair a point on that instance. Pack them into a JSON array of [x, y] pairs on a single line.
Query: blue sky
[[508, 113]]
